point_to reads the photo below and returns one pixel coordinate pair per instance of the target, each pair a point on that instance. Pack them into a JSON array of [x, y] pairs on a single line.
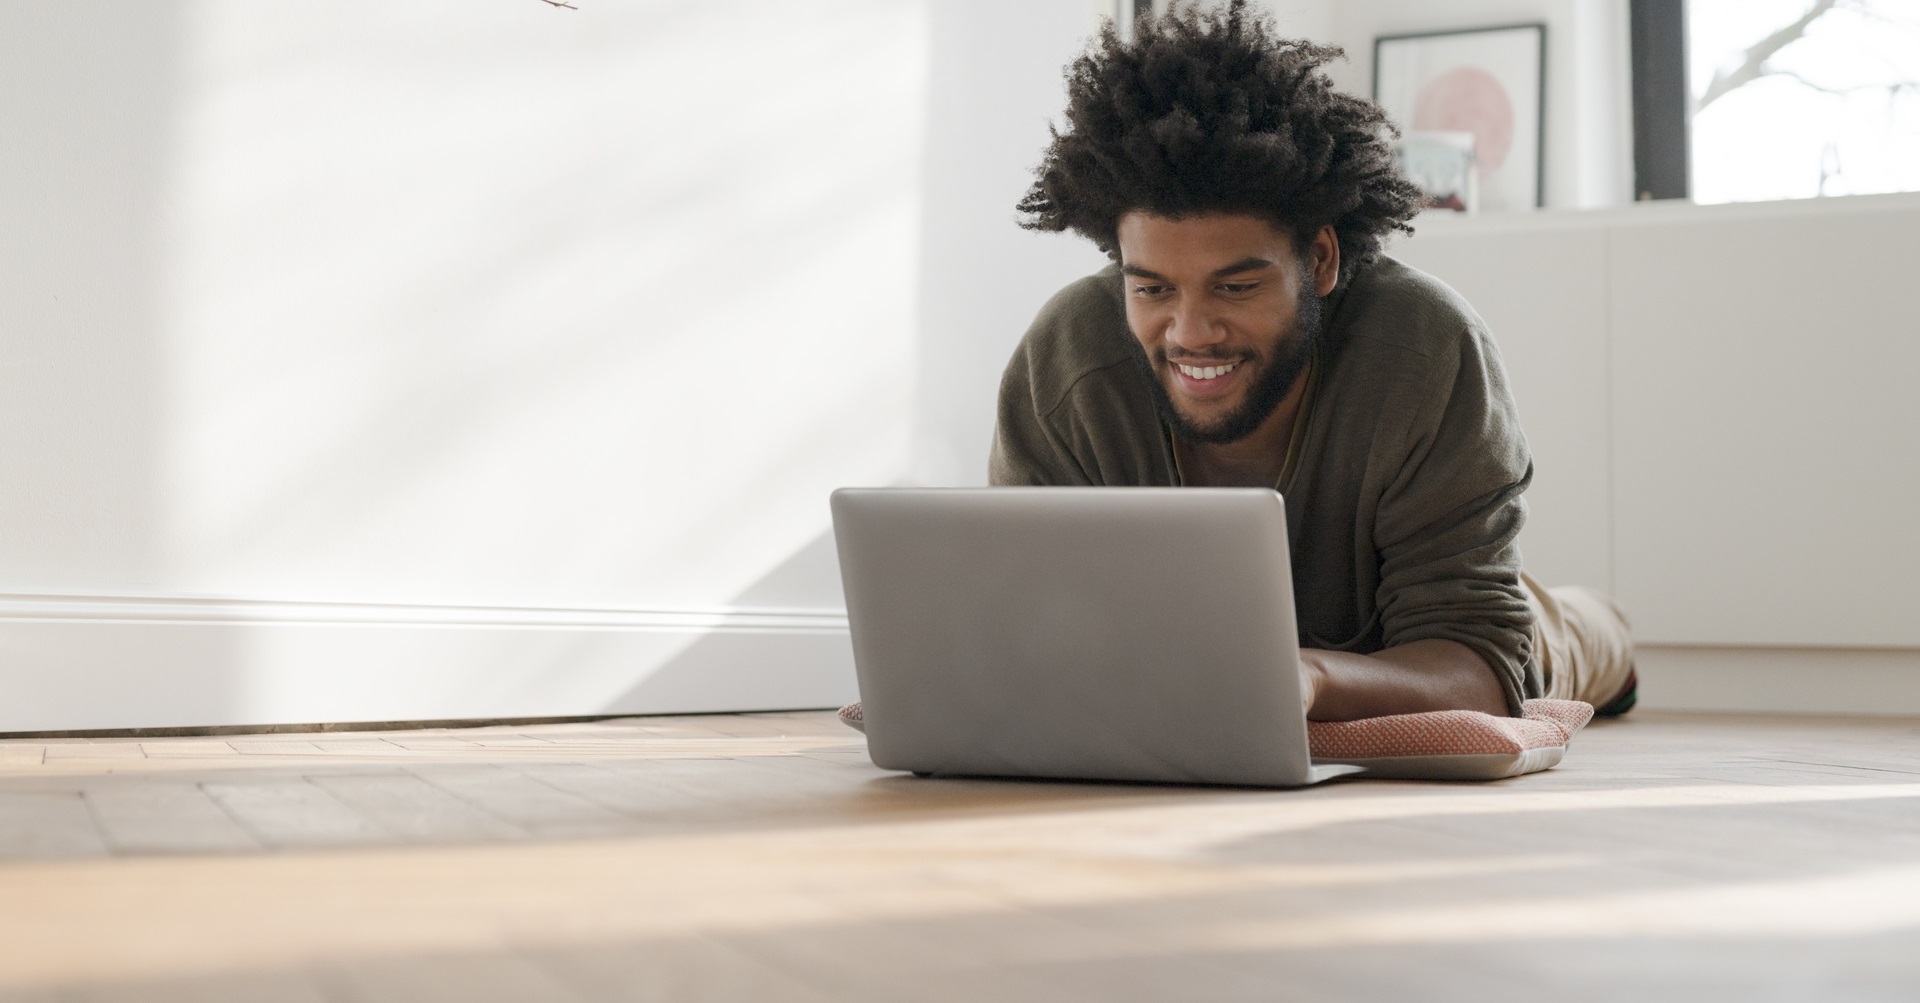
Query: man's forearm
[[1434, 674]]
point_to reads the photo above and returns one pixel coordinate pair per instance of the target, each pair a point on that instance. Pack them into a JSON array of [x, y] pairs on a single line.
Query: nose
[[1193, 327]]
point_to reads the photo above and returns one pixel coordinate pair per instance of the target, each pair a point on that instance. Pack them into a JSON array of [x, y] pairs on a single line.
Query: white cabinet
[[1723, 407], [1766, 477]]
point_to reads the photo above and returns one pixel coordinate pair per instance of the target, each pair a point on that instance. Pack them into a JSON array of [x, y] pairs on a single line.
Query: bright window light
[[1803, 98]]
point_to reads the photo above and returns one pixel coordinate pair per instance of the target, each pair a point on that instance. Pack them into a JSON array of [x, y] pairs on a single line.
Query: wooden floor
[[760, 857]]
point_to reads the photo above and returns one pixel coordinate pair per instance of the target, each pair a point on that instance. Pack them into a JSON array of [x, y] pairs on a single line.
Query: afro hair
[[1210, 111]]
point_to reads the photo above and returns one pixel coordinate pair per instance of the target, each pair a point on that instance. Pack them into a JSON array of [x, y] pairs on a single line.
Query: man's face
[[1227, 309]]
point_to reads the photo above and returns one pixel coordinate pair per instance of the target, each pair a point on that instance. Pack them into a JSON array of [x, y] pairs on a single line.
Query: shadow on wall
[[992, 92], [89, 98], [793, 667]]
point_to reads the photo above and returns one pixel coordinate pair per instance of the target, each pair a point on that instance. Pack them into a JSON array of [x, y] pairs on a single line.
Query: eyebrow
[[1243, 265]]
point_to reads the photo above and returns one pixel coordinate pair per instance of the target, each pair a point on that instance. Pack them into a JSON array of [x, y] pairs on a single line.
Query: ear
[[1326, 261]]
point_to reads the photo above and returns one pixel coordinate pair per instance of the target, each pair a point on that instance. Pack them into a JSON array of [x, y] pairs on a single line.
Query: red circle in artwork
[[1469, 99]]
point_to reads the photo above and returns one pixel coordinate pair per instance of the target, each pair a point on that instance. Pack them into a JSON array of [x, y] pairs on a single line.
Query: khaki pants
[[1583, 642]]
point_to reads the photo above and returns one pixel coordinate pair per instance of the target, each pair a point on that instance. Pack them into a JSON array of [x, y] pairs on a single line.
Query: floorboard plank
[[143, 816], [502, 978], [521, 800], [14, 755], [47, 824], [412, 809], [94, 750], [294, 813]]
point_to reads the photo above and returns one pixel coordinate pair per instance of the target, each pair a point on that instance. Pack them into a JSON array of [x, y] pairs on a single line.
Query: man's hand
[[1434, 674]]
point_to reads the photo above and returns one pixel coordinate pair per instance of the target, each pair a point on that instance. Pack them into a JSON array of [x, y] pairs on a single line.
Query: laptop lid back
[[1100, 633]]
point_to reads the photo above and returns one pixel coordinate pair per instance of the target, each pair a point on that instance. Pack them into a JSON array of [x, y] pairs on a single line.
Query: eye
[[1236, 288], [1148, 290]]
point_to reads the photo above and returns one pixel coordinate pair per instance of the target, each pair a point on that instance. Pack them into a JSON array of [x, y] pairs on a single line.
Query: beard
[[1278, 372]]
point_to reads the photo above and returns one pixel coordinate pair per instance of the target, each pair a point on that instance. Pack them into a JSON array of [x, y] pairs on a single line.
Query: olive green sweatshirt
[[1403, 498]]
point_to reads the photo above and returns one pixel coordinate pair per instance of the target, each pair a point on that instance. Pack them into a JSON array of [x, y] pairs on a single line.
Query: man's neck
[[1256, 461]]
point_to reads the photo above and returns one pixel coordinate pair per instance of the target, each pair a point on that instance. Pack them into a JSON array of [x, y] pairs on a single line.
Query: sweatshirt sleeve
[[1447, 522]]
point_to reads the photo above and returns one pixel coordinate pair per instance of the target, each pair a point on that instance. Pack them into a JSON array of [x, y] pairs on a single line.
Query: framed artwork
[[1482, 89]]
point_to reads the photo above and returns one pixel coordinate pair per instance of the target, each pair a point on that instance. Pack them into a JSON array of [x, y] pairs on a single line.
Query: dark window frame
[[1662, 104]]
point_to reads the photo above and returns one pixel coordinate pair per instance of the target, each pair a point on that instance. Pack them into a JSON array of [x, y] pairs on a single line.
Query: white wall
[[422, 320], [1310, 19]]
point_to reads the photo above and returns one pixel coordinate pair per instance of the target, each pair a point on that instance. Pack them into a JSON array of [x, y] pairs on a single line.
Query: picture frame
[[1488, 82]]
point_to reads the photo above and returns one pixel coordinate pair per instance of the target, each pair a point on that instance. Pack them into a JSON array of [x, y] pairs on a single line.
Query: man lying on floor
[[1251, 333]]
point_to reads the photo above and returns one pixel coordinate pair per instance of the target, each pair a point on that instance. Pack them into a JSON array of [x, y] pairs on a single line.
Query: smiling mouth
[[1206, 372]]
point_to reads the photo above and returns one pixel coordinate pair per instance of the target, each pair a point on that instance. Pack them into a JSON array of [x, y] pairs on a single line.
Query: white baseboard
[[1780, 680], [70, 663], [89, 662]]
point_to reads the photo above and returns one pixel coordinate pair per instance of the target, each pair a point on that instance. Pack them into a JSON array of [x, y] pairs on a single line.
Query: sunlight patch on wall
[[504, 303]]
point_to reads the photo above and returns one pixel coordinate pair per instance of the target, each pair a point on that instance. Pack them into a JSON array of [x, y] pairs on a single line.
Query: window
[[1802, 98]]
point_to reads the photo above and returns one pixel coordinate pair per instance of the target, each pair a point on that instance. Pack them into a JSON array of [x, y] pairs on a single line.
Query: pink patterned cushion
[[1453, 744], [1437, 745]]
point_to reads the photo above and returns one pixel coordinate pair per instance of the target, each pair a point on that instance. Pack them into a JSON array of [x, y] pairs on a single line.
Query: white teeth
[[1206, 372]]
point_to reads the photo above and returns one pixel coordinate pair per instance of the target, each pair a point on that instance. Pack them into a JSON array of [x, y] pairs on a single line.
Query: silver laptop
[[1140, 634]]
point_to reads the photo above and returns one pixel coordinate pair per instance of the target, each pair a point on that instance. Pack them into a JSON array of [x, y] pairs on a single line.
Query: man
[[1251, 333]]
